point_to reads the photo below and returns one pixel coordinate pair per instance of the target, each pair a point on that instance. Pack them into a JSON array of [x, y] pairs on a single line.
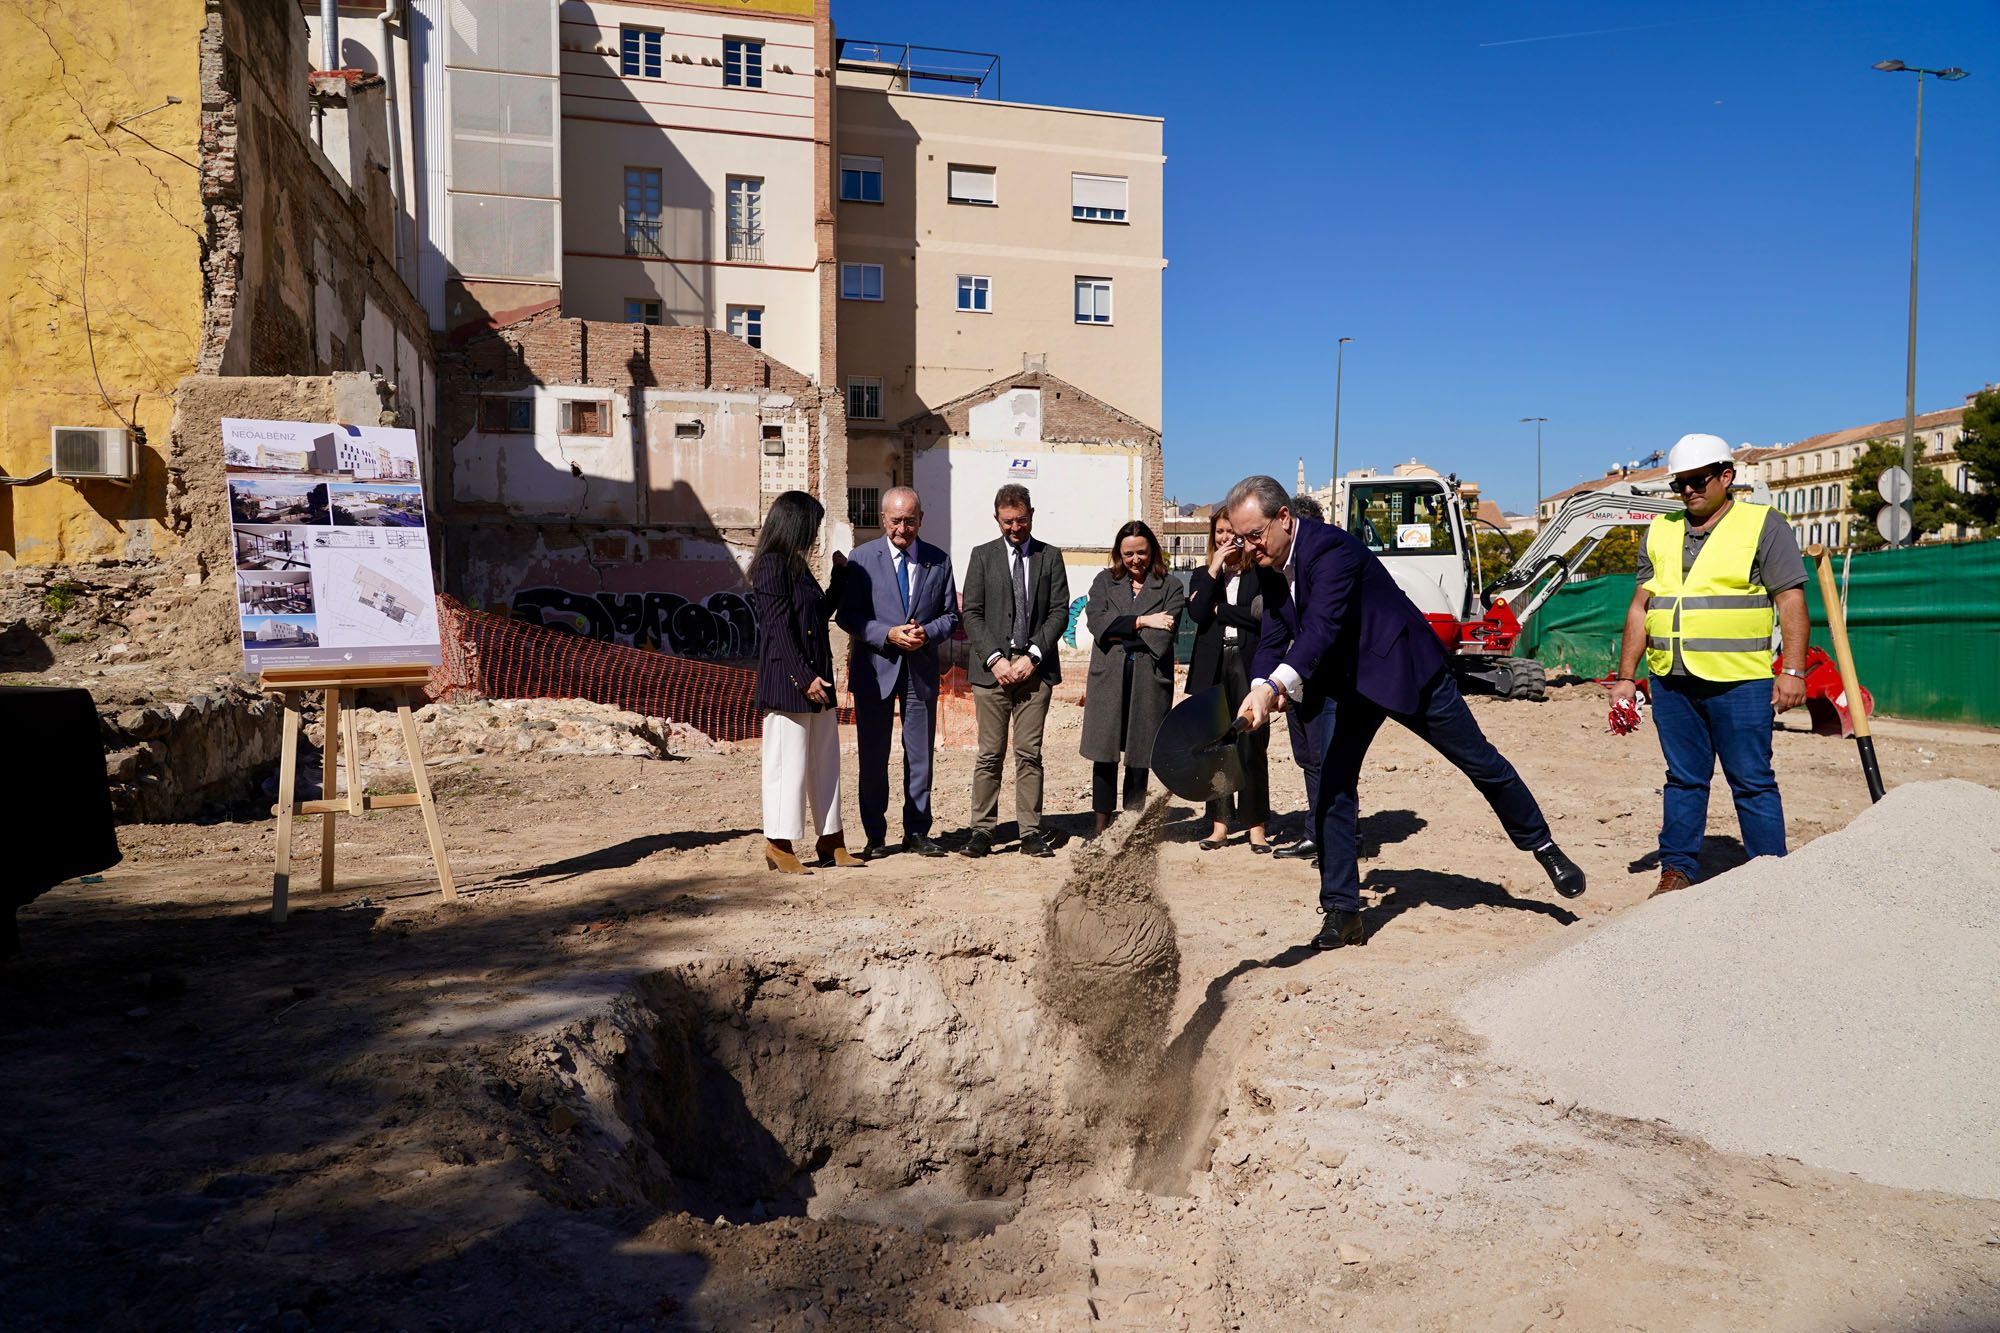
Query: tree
[[1937, 502], [1979, 446]]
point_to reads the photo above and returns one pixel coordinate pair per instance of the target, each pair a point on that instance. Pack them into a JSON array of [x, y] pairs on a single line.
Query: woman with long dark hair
[[795, 686], [1228, 612], [1133, 610]]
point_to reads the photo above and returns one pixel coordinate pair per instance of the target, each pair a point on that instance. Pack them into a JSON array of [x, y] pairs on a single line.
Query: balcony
[[747, 246], [642, 237]]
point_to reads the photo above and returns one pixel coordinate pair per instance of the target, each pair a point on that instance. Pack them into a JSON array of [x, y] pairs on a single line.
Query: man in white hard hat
[[1711, 582]]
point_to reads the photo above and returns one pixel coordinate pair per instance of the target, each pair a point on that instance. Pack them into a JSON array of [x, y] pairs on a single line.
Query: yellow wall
[[99, 252]]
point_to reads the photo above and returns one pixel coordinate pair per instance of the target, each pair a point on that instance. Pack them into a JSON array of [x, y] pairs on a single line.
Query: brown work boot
[[1671, 881]]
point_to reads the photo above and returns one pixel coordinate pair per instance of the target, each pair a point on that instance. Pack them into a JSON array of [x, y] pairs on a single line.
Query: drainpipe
[[395, 32]]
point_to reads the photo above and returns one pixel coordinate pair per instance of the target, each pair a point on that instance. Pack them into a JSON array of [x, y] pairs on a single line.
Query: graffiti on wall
[[720, 625]]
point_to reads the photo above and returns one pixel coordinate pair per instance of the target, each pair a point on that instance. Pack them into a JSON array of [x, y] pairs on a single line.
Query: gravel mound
[[1840, 1005]]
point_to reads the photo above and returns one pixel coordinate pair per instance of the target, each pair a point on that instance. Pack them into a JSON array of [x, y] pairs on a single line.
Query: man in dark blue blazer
[[900, 604], [1341, 640]]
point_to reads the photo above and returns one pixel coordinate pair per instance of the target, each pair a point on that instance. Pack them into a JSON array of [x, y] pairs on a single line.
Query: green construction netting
[[1925, 625]]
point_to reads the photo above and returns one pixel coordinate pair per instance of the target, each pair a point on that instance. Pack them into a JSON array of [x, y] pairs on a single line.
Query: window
[[1399, 519], [1096, 198], [642, 312], [864, 506], [1833, 496], [746, 217], [1964, 482], [1814, 533], [860, 282], [582, 416], [1093, 300], [642, 211], [507, 416], [864, 397], [742, 63], [639, 53], [687, 430], [975, 294], [1813, 507], [747, 323], [973, 185], [774, 440], [861, 179]]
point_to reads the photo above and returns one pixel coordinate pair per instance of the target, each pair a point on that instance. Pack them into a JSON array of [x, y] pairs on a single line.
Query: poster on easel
[[332, 554]]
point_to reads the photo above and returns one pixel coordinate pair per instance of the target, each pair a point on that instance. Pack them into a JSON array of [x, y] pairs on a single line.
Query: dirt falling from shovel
[[1112, 957]]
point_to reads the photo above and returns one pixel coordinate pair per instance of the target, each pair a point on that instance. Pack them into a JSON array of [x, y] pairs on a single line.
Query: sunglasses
[[1694, 483]]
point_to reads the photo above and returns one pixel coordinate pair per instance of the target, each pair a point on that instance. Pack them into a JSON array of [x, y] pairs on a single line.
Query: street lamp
[[1539, 422], [1951, 74], [1339, 351]]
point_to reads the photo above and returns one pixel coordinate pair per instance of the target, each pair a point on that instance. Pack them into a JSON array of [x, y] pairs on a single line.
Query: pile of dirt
[[1840, 1005], [1111, 952], [520, 726]]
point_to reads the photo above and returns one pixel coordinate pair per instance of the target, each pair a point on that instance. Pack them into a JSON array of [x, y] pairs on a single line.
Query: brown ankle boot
[[782, 861], [833, 852]]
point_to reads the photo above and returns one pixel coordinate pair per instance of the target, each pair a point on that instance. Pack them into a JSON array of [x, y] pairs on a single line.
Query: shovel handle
[[1843, 656]]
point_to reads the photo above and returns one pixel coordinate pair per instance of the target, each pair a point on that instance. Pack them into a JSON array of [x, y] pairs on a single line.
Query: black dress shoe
[[874, 851], [1036, 843], [921, 845], [977, 844], [1564, 873], [1341, 929], [1304, 847]]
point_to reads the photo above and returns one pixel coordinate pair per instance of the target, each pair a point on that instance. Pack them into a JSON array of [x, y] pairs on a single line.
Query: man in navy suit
[[1342, 641], [899, 605]]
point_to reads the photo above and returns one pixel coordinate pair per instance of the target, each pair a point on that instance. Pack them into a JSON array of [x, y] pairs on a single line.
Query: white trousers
[[801, 761]]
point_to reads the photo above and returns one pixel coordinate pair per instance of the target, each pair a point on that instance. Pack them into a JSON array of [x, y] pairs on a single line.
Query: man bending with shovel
[[1342, 642]]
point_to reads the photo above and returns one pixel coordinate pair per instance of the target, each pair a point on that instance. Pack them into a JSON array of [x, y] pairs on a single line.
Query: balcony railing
[[746, 245], [642, 237]]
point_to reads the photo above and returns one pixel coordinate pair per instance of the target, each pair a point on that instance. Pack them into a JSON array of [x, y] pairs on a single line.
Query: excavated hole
[[923, 1090]]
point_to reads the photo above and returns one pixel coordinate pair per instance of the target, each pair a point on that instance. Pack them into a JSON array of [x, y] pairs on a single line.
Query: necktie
[[1021, 596], [903, 578]]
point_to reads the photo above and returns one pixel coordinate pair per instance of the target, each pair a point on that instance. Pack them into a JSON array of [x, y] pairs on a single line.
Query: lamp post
[[1950, 74], [1539, 422], [1339, 352]]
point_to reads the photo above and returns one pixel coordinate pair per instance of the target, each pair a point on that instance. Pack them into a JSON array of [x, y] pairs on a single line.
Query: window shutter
[[1097, 191], [973, 183]]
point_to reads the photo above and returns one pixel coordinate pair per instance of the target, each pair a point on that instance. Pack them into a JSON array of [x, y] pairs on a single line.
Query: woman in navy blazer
[[795, 685]]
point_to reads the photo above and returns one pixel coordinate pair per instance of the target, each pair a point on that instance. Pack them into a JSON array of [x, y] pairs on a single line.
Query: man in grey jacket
[[1016, 608]]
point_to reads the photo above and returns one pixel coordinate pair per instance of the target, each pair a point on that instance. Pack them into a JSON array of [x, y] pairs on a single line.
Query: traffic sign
[[1894, 485], [1893, 522]]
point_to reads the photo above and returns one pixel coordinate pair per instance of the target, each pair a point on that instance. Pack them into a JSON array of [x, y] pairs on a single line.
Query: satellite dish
[[1893, 522]]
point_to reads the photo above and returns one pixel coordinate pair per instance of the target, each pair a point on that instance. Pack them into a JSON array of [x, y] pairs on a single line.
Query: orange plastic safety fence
[[498, 657]]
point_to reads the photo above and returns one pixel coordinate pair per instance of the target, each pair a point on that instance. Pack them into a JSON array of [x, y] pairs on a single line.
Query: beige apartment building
[[695, 147], [978, 237]]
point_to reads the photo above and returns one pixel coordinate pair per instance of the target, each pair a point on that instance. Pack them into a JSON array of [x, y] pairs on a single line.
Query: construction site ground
[[631, 1079]]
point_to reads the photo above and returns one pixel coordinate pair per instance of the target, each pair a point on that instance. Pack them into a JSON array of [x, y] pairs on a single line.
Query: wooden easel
[[291, 684]]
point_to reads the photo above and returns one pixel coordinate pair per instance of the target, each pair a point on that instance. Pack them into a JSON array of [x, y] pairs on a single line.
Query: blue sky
[[1701, 224]]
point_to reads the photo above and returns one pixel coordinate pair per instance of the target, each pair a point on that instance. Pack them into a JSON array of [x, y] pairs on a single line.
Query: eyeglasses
[[1254, 536], [1693, 483]]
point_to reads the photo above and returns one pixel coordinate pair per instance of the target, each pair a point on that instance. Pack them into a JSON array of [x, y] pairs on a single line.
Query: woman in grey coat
[[1132, 612]]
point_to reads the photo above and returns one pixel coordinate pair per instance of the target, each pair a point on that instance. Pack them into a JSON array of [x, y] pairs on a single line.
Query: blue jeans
[[1700, 721], [1347, 727]]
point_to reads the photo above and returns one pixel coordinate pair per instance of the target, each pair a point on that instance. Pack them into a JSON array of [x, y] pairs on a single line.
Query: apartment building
[[977, 236], [642, 161], [695, 148], [1812, 482]]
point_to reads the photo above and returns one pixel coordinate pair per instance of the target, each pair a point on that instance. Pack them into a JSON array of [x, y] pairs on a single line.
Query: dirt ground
[[629, 1079]]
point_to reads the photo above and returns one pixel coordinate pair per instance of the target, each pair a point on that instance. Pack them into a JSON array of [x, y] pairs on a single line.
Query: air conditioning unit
[[98, 453]]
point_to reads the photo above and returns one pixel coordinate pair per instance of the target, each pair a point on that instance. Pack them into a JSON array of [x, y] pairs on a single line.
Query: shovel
[[1195, 752]]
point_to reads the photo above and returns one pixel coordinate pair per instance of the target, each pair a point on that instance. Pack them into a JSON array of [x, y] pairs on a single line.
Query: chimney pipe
[[329, 34]]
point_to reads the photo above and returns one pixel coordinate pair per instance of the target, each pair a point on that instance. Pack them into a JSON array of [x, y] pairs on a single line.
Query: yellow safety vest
[[1714, 615]]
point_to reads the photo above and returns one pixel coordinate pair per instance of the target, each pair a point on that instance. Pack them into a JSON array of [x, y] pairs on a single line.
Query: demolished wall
[[610, 479]]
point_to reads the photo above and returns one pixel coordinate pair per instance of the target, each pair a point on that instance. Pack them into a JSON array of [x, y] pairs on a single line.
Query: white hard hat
[[1697, 451]]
